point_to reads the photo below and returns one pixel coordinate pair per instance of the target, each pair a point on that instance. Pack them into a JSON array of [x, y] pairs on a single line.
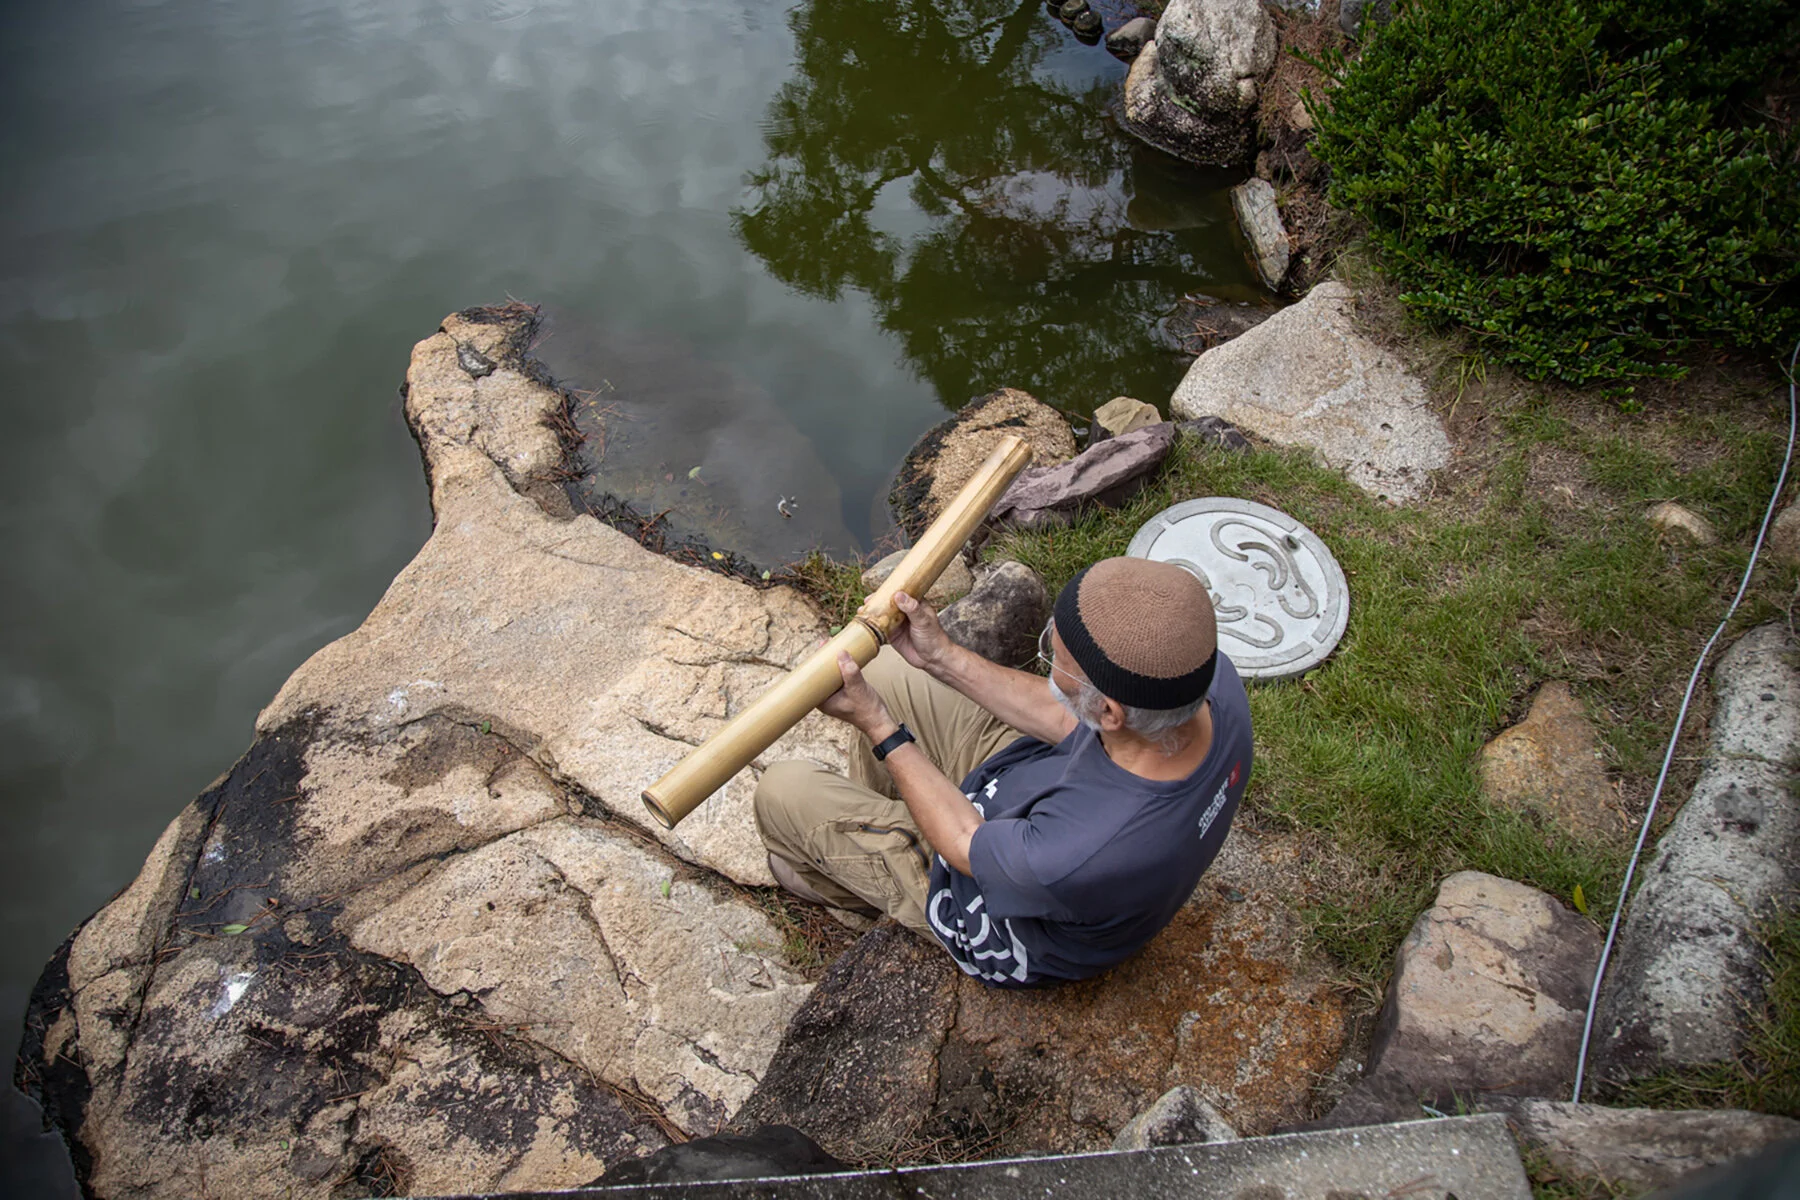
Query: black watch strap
[[893, 742]]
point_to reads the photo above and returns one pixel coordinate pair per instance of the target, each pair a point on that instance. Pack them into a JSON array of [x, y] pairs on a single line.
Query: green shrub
[[1574, 188]]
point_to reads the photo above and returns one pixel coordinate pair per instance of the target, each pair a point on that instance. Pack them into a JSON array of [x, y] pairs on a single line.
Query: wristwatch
[[893, 742]]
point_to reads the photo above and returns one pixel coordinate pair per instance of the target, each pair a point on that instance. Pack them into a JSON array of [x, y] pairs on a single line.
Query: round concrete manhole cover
[[1280, 596]]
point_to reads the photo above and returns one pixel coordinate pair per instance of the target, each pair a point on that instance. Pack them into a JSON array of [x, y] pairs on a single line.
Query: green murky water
[[780, 243]]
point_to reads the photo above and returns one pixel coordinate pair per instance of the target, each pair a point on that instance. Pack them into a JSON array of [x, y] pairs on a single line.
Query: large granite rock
[[1550, 762], [1642, 1149], [1488, 994], [407, 945], [897, 1049], [1688, 965], [945, 455], [1307, 377], [1192, 91]]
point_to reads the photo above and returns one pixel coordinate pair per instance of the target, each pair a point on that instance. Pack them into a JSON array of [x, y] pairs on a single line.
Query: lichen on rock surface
[[897, 1050], [422, 937]]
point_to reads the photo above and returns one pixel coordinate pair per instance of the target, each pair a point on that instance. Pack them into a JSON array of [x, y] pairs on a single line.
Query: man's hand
[[921, 641], [857, 703]]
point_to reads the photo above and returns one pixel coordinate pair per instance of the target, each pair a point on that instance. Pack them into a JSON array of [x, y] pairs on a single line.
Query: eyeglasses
[[1045, 649]]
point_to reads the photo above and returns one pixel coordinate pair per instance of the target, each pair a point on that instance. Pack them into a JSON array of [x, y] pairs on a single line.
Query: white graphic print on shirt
[[982, 952]]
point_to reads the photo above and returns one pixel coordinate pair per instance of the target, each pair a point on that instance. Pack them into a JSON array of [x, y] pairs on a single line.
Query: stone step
[[1468, 1158]]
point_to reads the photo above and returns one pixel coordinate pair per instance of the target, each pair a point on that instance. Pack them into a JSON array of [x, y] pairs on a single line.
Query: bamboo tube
[[753, 730]]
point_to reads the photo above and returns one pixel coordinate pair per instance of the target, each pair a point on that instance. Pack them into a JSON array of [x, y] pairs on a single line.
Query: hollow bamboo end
[[658, 811]]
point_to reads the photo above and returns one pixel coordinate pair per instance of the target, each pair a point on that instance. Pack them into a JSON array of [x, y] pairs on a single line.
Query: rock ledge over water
[[421, 938]]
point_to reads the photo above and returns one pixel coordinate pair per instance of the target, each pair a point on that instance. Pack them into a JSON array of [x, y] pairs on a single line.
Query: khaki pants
[[852, 840]]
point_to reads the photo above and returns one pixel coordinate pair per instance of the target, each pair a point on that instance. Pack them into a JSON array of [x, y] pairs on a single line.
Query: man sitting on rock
[[1087, 808]]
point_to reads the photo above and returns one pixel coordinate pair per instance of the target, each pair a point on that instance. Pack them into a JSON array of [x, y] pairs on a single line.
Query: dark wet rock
[[1070, 9], [1107, 473], [477, 364], [1378, 1100], [766, 1151], [1180, 1117], [1193, 89], [1002, 615], [1689, 965], [1641, 1149], [897, 1049], [1200, 322], [1216, 432], [945, 455], [1088, 27], [1129, 39], [1488, 994], [1353, 13], [858, 1064]]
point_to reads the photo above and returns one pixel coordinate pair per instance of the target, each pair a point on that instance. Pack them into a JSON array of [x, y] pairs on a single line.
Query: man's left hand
[[858, 703]]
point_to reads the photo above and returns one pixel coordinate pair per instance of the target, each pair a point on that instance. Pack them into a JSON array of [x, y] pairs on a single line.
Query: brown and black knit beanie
[[1144, 632]]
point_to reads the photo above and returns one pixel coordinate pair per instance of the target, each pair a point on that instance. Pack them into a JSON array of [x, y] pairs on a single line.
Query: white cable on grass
[[1612, 932]]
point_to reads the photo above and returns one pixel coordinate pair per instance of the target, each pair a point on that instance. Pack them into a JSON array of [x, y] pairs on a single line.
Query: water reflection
[[946, 159]]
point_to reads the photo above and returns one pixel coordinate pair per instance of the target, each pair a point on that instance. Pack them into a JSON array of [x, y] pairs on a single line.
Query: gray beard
[[1072, 705]]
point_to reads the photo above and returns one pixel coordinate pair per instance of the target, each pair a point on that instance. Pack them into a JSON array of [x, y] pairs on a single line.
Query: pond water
[[775, 244]]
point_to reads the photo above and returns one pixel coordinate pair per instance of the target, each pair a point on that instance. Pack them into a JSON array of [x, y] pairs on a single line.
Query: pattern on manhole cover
[[1280, 596]]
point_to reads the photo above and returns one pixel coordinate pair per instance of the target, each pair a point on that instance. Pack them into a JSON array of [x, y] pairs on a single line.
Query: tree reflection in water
[[952, 159]]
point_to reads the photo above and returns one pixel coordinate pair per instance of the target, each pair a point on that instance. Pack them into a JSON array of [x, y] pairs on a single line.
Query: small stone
[[1088, 27], [1000, 619], [1072, 9], [1121, 415], [1642, 1149], [1181, 1117], [1671, 517], [1260, 219], [1488, 995], [950, 587], [477, 364], [1784, 535], [1128, 39], [1299, 118], [1551, 762]]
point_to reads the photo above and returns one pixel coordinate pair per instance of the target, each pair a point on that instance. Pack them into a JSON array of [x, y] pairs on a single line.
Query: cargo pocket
[[887, 865]]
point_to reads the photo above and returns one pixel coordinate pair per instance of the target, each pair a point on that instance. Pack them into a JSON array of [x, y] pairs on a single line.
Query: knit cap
[[1143, 632]]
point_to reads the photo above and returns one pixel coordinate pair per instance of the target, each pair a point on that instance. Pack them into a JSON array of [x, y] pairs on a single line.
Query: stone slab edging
[[1688, 966], [1472, 1158]]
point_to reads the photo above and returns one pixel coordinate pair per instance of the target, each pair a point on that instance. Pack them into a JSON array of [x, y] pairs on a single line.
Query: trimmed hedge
[[1583, 185]]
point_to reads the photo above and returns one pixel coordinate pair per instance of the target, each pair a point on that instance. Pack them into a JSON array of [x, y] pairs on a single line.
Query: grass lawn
[[1532, 561]]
